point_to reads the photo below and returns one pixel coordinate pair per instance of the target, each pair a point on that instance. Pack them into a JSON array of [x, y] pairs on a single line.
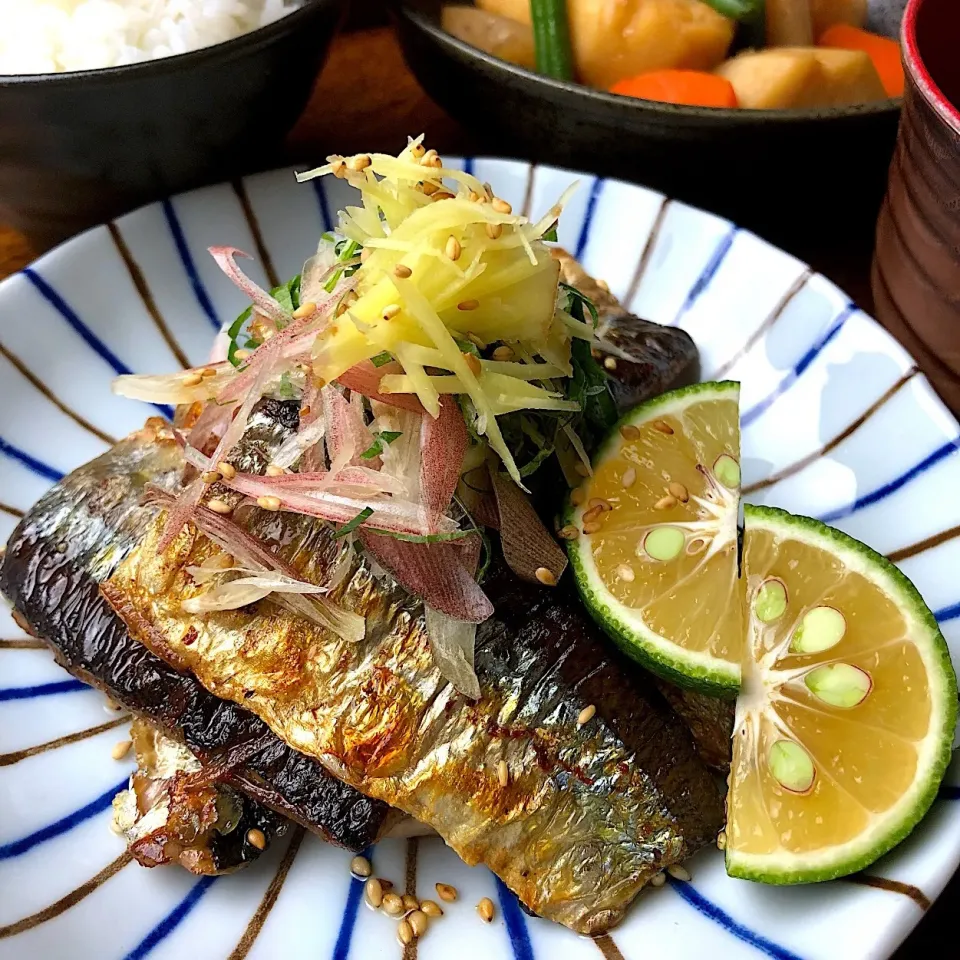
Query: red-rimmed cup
[[916, 267]]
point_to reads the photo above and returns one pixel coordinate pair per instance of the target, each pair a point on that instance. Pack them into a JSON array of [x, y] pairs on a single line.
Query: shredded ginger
[[448, 266]]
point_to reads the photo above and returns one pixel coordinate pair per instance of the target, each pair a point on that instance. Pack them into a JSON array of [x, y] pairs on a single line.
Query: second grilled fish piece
[[589, 813], [74, 536], [645, 359]]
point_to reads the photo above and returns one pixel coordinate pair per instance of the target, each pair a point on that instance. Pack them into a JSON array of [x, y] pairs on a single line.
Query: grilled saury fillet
[[590, 812]]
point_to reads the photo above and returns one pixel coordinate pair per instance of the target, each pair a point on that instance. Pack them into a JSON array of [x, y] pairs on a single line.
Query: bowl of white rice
[[108, 104]]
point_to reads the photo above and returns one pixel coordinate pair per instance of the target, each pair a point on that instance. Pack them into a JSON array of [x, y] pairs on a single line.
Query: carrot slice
[[691, 87], [884, 52]]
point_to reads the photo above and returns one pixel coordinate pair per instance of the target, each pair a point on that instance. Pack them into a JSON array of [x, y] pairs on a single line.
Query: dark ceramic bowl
[[77, 148], [789, 174]]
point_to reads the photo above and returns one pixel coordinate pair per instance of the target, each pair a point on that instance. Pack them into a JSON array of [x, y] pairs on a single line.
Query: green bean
[[551, 38]]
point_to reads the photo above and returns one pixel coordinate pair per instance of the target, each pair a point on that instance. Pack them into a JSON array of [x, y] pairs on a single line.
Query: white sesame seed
[[219, 506], [586, 715], [658, 880], [610, 363], [269, 503], [418, 922], [446, 892], [227, 470], [678, 872], [121, 749], [304, 310], [503, 773], [392, 905], [192, 379], [410, 902], [373, 891], [360, 867], [546, 577], [453, 248], [404, 932], [629, 478], [722, 840], [256, 838], [625, 573], [485, 909], [431, 908], [402, 271]]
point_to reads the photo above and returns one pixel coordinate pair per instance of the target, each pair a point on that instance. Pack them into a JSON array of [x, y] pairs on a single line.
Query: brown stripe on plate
[[23, 643], [70, 900], [799, 465], [410, 886], [774, 316], [647, 253], [260, 915], [263, 254], [13, 511], [921, 545], [528, 190], [36, 382], [139, 281], [7, 759], [892, 886], [607, 947]]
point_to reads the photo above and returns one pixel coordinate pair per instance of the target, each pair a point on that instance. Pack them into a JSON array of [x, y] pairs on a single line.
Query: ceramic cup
[[916, 268]]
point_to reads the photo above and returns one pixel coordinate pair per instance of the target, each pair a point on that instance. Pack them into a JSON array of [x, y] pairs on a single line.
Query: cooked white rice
[[50, 36]]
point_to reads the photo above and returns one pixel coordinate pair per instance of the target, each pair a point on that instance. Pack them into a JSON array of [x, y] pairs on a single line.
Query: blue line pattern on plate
[[172, 920], [42, 690], [791, 378], [516, 924], [88, 336], [707, 274], [948, 613], [341, 949], [317, 183], [468, 165], [894, 485], [31, 463], [186, 258], [948, 792], [710, 910], [65, 824], [584, 237]]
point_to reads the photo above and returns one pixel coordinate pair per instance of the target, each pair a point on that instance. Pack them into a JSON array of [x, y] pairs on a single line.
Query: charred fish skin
[[590, 811], [75, 535]]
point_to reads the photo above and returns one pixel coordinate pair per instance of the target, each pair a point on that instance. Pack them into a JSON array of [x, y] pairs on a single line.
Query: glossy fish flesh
[[73, 538], [589, 813]]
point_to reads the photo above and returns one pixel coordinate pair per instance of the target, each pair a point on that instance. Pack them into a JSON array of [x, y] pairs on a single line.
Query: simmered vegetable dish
[[753, 54]]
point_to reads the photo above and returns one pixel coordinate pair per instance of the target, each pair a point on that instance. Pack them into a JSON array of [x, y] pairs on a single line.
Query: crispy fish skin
[[590, 813], [73, 538]]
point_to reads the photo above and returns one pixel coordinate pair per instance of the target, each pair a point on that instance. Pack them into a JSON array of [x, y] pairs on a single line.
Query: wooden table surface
[[366, 96]]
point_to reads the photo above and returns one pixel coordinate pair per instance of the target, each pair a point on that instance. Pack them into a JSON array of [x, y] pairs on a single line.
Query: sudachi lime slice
[[849, 704], [655, 527]]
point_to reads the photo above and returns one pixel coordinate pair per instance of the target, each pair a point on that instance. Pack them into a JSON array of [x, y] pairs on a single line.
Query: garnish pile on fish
[[288, 587]]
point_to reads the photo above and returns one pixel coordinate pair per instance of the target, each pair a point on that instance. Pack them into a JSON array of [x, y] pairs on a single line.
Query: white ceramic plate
[[837, 424]]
